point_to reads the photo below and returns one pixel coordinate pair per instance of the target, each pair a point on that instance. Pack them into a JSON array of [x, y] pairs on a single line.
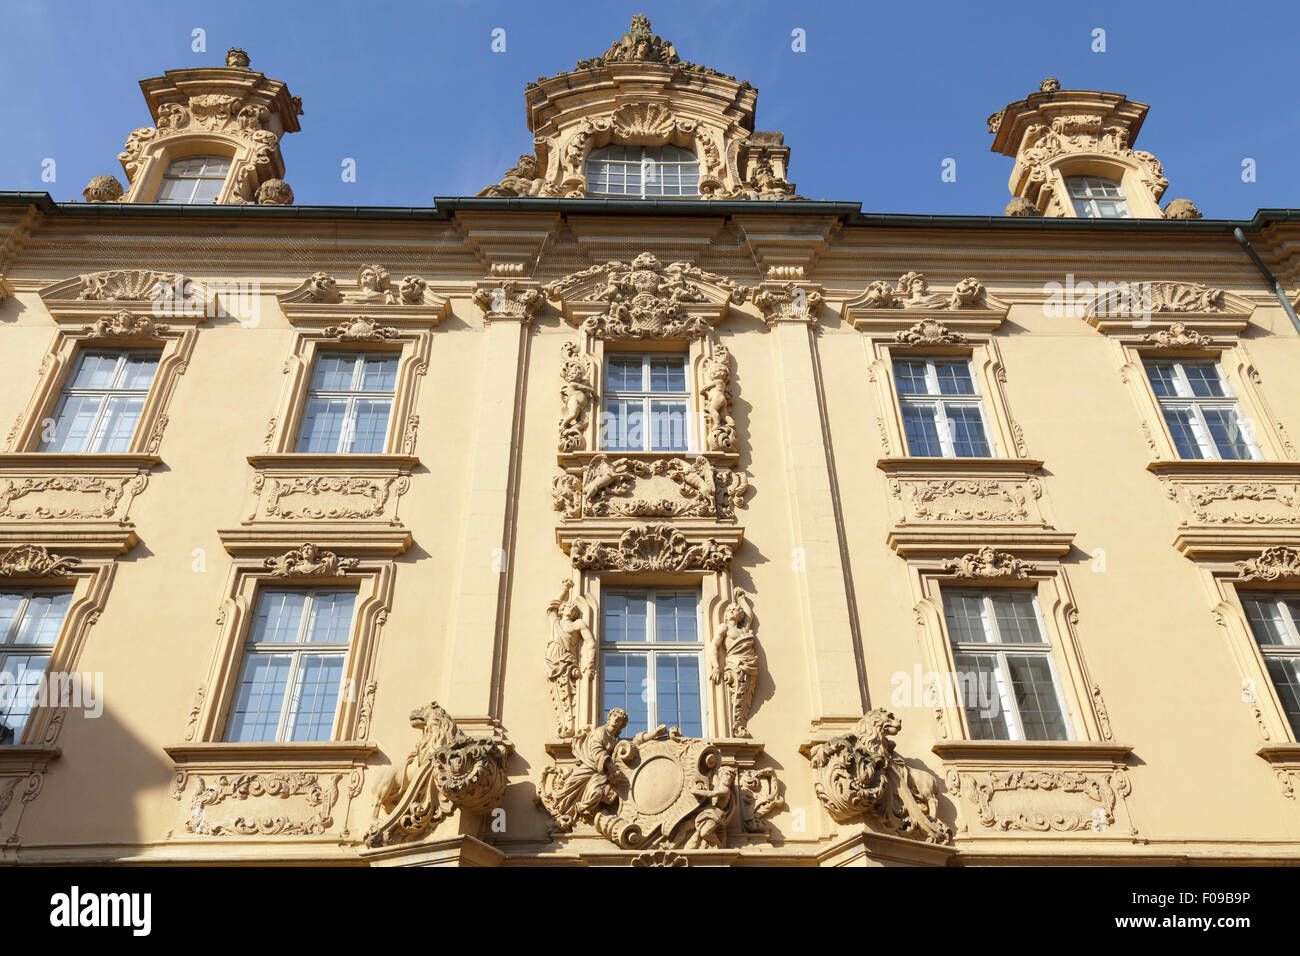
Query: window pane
[[1036, 699], [1266, 620], [981, 686], [1285, 673], [668, 426], [625, 616], [1181, 429], [371, 427], [667, 373], [139, 371], [317, 696], [21, 678], [922, 432], [1016, 617], [621, 425], [255, 715], [1164, 379], [11, 603], [73, 422], [675, 617], [954, 378], [379, 373], [964, 612], [1205, 381], [117, 424], [966, 424], [910, 376], [278, 618], [334, 371], [44, 617], [95, 370], [322, 425], [677, 687], [1226, 431], [624, 684], [331, 617], [206, 190], [623, 373]]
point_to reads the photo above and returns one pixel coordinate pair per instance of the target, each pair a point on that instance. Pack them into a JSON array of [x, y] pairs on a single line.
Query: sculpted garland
[[606, 487]]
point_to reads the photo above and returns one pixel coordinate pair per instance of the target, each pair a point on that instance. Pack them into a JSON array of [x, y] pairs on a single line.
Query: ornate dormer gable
[[215, 139], [1075, 158], [676, 129]]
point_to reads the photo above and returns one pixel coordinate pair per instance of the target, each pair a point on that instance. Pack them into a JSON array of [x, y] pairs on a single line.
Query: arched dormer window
[[1097, 198], [195, 179], [643, 171]]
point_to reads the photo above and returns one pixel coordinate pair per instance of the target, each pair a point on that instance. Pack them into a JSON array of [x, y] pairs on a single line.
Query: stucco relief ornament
[[716, 397], [237, 59], [576, 396], [445, 772], [571, 655], [360, 329], [733, 659], [654, 547], [521, 179], [1084, 133], [126, 285], [1272, 564], [103, 189], [124, 323], [606, 487], [929, 332], [860, 774], [789, 302], [31, 560], [508, 299], [1178, 335], [309, 560], [988, 563], [275, 192], [658, 790], [912, 291], [646, 298], [641, 45]]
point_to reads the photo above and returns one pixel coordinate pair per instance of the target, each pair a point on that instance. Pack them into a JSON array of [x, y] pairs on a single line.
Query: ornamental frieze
[[266, 804], [1277, 563], [68, 498], [654, 547], [31, 560], [1043, 801], [661, 488], [354, 491]]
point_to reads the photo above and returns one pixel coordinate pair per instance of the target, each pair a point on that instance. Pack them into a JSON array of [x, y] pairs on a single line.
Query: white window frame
[[70, 391], [646, 162], [10, 649], [646, 397], [934, 400], [653, 649], [196, 180], [298, 650], [1090, 193], [1289, 651], [1185, 399], [1000, 650], [353, 396]]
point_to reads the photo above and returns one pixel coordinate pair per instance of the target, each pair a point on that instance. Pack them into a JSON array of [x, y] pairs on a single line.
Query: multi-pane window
[[292, 672], [30, 621], [1096, 198], [349, 401], [942, 414], [101, 403], [1204, 418], [651, 658], [197, 179], [642, 171], [1275, 622], [646, 402], [1004, 664]]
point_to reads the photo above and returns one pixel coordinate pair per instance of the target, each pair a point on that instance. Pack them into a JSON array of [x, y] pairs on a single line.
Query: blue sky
[[884, 93]]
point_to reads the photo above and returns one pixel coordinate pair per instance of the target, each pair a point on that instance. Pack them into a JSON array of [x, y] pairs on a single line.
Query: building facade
[[639, 511]]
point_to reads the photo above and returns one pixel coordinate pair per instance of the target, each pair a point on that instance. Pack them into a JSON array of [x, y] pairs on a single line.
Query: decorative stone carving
[[733, 659], [236, 59], [103, 189], [275, 192], [982, 789], [609, 487], [576, 396], [716, 398], [309, 560], [571, 655], [1182, 209], [764, 183], [929, 332], [966, 499], [134, 285], [788, 302], [1084, 133], [658, 790], [508, 300], [330, 496], [1178, 335], [445, 772], [374, 286], [1244, 503], [33, 561], [62, 497], [988, 563], [912, 291], [319, 795], [860, 774], [520, 179], [646, 299], [125, 324], [1020, 206], [323, 287], [1273, 564], [641, 45], [654, 547], [361, 329]]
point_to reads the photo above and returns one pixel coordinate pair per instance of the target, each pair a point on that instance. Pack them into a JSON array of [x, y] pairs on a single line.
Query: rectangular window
[[942, 414], [652, 658], [1275, 622], [646, 402], [1204, 418], [292, 672], [101, 403], [1096, 198], [1005, 674], [349, 402], [197, 179], [30, 622]]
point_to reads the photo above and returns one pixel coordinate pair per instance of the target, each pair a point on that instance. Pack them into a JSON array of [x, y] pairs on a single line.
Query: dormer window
[[641, 172], [197, 179], [1096, 198]]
